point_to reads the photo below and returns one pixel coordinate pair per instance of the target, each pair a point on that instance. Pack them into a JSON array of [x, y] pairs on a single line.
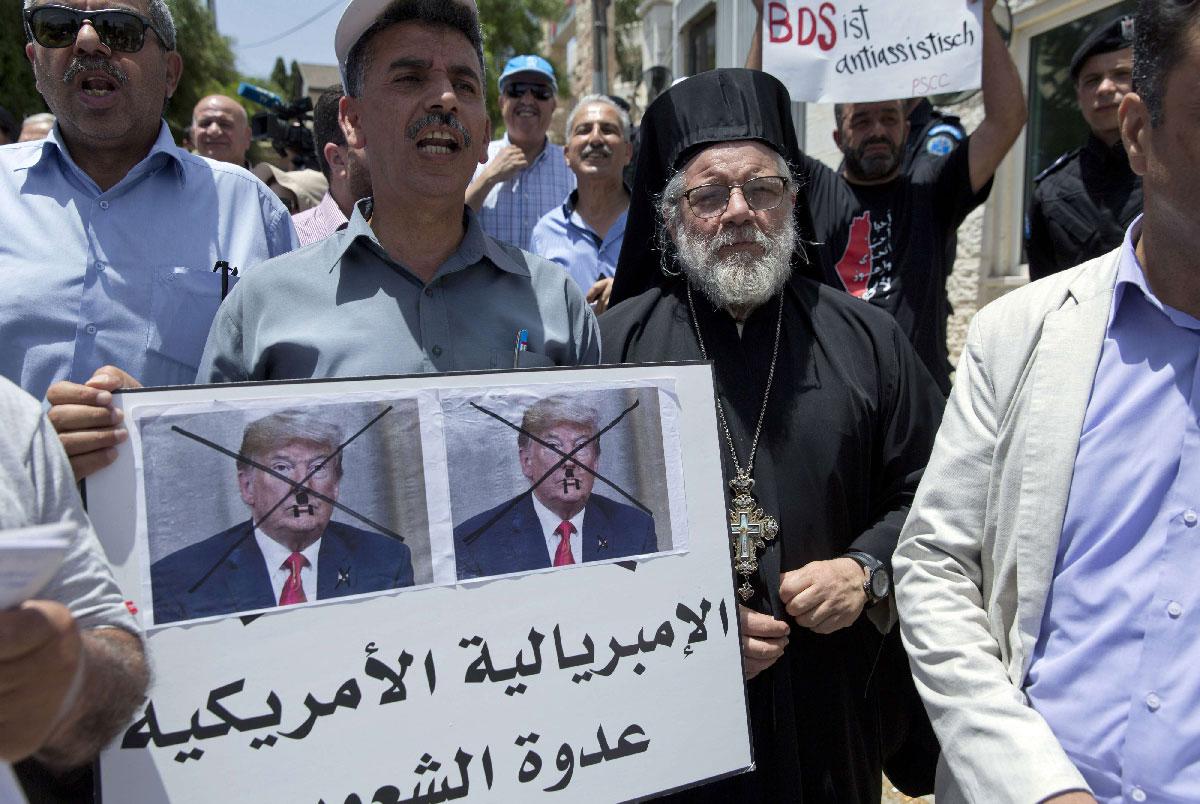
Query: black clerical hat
[[1116, 34], [717, 106]]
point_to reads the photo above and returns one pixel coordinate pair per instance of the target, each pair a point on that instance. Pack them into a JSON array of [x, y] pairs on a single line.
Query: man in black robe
[[845, 432]]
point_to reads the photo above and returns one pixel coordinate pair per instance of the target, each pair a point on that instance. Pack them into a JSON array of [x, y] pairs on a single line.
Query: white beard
[[739, 281]]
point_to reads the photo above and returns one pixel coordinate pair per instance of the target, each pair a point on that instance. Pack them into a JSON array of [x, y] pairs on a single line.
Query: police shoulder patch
[[940, 145]]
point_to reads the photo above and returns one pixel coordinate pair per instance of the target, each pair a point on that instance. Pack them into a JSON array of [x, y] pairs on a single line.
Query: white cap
[[358, 16]]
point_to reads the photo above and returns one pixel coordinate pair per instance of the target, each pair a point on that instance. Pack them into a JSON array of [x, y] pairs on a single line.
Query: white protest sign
[[872, 50], [614, 678]]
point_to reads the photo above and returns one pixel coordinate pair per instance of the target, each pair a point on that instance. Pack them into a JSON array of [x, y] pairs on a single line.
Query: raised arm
[[1004, 110], [754, 57]]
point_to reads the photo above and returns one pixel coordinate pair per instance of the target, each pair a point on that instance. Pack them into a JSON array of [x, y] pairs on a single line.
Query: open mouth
[[98, 86], [438, 142]]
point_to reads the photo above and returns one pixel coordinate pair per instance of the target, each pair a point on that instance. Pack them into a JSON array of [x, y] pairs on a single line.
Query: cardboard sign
[[470, 662], [872, 50]]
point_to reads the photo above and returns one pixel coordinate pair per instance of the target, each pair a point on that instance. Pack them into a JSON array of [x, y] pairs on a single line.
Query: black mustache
[[435, 119]]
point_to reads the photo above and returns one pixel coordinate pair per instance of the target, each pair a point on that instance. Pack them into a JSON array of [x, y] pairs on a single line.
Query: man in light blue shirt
[[584, 234], [525, 175], [1046, 573], [111, 232]]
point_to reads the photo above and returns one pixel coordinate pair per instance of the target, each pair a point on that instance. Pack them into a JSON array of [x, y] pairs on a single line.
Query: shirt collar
[[276, 554], [571, 216], [545, 149], [54, 144], [1131, 282], [475, 246], [551, 520]]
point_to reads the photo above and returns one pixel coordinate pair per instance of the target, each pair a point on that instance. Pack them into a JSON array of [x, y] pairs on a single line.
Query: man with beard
[[111, 231], [584, 235], [412, 284], [883, 233], [826, 418], [345, 169]]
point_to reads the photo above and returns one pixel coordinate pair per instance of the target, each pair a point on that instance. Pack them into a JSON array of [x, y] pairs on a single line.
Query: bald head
[[220, 129]]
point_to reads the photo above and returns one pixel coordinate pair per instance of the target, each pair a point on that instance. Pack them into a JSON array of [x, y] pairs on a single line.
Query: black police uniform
[[932, 136], [1081, 207]]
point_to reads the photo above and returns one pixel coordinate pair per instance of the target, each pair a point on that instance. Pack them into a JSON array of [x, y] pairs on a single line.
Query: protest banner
[[872, 50], [436, 654]]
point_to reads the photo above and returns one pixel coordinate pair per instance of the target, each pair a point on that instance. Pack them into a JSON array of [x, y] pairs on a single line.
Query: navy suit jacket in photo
[[349, 562], [515, 542]]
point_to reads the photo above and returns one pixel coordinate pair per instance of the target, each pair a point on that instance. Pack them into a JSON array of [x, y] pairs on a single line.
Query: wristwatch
[[877, 584]]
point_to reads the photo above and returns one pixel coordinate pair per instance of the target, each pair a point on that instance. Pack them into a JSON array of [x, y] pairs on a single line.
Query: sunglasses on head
[[515, 89], [57, 26]]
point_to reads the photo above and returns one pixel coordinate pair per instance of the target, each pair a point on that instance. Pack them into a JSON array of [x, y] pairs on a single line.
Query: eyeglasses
[[58, 26], [762, 193], [515, 89]]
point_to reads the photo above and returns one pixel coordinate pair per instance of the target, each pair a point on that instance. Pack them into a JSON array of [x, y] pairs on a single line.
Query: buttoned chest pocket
[[184, 301]]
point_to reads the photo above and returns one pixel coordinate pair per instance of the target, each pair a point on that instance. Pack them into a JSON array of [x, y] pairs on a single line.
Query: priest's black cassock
[[847, 432]]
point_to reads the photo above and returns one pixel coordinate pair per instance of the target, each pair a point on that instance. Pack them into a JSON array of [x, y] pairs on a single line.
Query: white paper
[[606, 680], [29, 557], [872, 50]]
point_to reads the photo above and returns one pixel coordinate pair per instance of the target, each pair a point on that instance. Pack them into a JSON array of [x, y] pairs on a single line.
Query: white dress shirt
[[550, 522], [276, 556]]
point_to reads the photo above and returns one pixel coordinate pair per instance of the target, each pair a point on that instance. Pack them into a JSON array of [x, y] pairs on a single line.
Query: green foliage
[[208, 62], [17, 91], [279, 73], [513, 28], [626, 43]]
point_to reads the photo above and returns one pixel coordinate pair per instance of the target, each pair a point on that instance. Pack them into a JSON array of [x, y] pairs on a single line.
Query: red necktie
[[293, 587], [562, 556]]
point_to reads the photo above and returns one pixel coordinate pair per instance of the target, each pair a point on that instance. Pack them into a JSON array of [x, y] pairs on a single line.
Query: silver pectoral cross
[[750, 530]]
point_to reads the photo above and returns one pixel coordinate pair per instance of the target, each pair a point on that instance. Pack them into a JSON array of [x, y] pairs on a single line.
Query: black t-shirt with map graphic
[[886, 244]]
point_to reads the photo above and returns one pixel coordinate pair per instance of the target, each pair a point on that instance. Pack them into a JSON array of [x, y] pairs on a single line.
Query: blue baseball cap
[[528, 64]]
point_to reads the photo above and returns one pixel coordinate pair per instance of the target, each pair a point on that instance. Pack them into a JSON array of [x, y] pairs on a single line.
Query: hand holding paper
[[86, 421]]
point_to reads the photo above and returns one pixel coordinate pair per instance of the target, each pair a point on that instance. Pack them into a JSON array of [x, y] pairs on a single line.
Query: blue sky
[[248, 22]]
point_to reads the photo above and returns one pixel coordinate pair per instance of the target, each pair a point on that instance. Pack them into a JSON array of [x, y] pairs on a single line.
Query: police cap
[[1116, 34]]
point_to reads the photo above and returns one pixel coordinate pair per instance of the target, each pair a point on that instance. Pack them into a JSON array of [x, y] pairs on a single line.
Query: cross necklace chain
[[749, 527]]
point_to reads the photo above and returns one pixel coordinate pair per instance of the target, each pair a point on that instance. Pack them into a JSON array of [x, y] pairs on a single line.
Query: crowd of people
[[978, 584]]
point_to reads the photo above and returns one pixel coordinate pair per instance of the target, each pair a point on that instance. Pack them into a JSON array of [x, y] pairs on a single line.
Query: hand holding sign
[[871, 50]]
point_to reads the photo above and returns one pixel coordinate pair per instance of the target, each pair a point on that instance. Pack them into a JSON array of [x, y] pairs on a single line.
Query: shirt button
[[1153, 702], [1174, 609], [428, 291], [99, 266], [1137, 794], [437, 351], [90, 329], [103, 205], [1189, 517]]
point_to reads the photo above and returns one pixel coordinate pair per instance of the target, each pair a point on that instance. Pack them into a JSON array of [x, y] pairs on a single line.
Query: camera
[[283, 124]]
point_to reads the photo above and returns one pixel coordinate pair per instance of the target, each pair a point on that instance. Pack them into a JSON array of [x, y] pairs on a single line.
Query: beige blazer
[[976, 556]]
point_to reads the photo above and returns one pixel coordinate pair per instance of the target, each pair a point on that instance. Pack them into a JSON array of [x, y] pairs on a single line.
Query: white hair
[[623, 115]]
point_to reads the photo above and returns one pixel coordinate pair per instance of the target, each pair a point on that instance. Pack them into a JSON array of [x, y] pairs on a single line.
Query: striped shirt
[[319, 222], [512, 208]]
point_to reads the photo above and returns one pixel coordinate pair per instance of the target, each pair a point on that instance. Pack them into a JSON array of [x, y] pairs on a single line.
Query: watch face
[[880, 583]]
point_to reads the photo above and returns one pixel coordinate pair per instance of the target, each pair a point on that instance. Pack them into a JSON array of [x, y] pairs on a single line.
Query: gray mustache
[[83, 64], [595, 148], [435, 119]]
